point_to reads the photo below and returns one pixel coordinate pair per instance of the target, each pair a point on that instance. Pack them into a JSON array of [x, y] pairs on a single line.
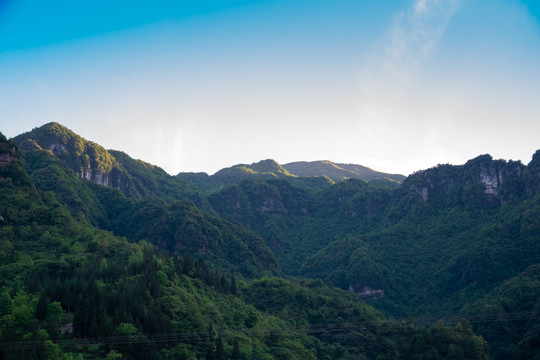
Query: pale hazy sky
[[198, 85]]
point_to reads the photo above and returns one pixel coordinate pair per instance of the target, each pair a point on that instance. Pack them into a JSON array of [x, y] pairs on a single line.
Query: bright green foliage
[[127, 300], [340, 172], [354, 329], [266, 169], [88, 160], [450, 240], [81, 155]]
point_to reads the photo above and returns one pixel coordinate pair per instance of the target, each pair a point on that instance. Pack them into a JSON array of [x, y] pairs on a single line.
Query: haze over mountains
[[458, 244]]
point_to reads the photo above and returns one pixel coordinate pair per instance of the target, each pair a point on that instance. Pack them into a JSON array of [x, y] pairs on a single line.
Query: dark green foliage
[[428, 248], [296, 223], [508, 316], [340, 318], [453, 247], [152, 181], [127, 300], [182, 228], [11, 173], [41, 307], [220, 353], [451, 240], [236, 350]]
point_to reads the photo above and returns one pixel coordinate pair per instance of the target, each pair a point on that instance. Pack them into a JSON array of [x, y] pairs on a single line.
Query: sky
[[398, 86]]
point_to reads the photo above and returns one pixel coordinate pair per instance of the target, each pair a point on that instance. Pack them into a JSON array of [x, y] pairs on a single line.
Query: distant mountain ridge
[[310, 174], [265, 169], [338, 171]]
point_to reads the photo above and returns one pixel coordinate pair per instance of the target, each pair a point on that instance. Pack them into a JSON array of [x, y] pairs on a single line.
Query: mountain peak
[[269, 166], [92, 162], [88, 159]]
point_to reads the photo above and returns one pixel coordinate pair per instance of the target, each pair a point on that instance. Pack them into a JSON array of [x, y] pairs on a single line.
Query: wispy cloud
[[397, 103], [415, 33]]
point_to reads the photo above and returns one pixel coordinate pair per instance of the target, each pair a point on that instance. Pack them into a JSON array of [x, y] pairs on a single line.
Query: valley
[[306, 260]]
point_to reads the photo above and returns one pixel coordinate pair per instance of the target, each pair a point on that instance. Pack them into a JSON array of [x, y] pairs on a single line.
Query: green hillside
[[339, 172], [173, 225], [90, 161], [429, 248], [69, 290], [265, 169], [454, 245], [508, 316]]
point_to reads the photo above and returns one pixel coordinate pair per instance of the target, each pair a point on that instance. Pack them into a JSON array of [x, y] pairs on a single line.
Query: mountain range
[[325, 251]]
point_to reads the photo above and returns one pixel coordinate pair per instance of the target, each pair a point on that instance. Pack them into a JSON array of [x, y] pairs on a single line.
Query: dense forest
[[107, 257]]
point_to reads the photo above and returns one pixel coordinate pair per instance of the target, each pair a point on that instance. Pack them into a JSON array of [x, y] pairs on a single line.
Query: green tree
[[6, 304], [233, 285], [41, 308], [236, 350], [220, 352]]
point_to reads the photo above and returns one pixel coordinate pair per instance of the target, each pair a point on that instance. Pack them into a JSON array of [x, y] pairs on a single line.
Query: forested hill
[[90, 161], [265, 169], [69, 290], [452, 243], [430, 248], [311, 175], [338, 172], [171, 222]]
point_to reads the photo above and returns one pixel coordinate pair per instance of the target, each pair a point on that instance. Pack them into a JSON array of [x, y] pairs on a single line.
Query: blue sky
[[398, 86]]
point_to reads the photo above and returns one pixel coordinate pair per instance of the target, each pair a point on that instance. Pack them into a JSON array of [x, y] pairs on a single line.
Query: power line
[[311, 329]]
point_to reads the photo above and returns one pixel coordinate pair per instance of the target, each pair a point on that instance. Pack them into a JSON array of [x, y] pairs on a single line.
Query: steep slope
[[273, 208], [296, 223], [338, 172], [90, 161], [49, 173], [444, 238], [176, 226], [509, 316], [465, 228], [114, 299], [183, 229]]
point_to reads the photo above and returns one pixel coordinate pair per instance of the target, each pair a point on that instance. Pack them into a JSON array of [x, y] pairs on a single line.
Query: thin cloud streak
[[415, 34], [397, 105]]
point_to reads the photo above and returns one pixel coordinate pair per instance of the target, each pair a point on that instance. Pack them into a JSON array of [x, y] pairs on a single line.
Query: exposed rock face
[[267, 205], [436, 183], [491, 178], [57, 148], [367, 293], [423, 192], [96, 176], [493, 175], [88, 170]]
